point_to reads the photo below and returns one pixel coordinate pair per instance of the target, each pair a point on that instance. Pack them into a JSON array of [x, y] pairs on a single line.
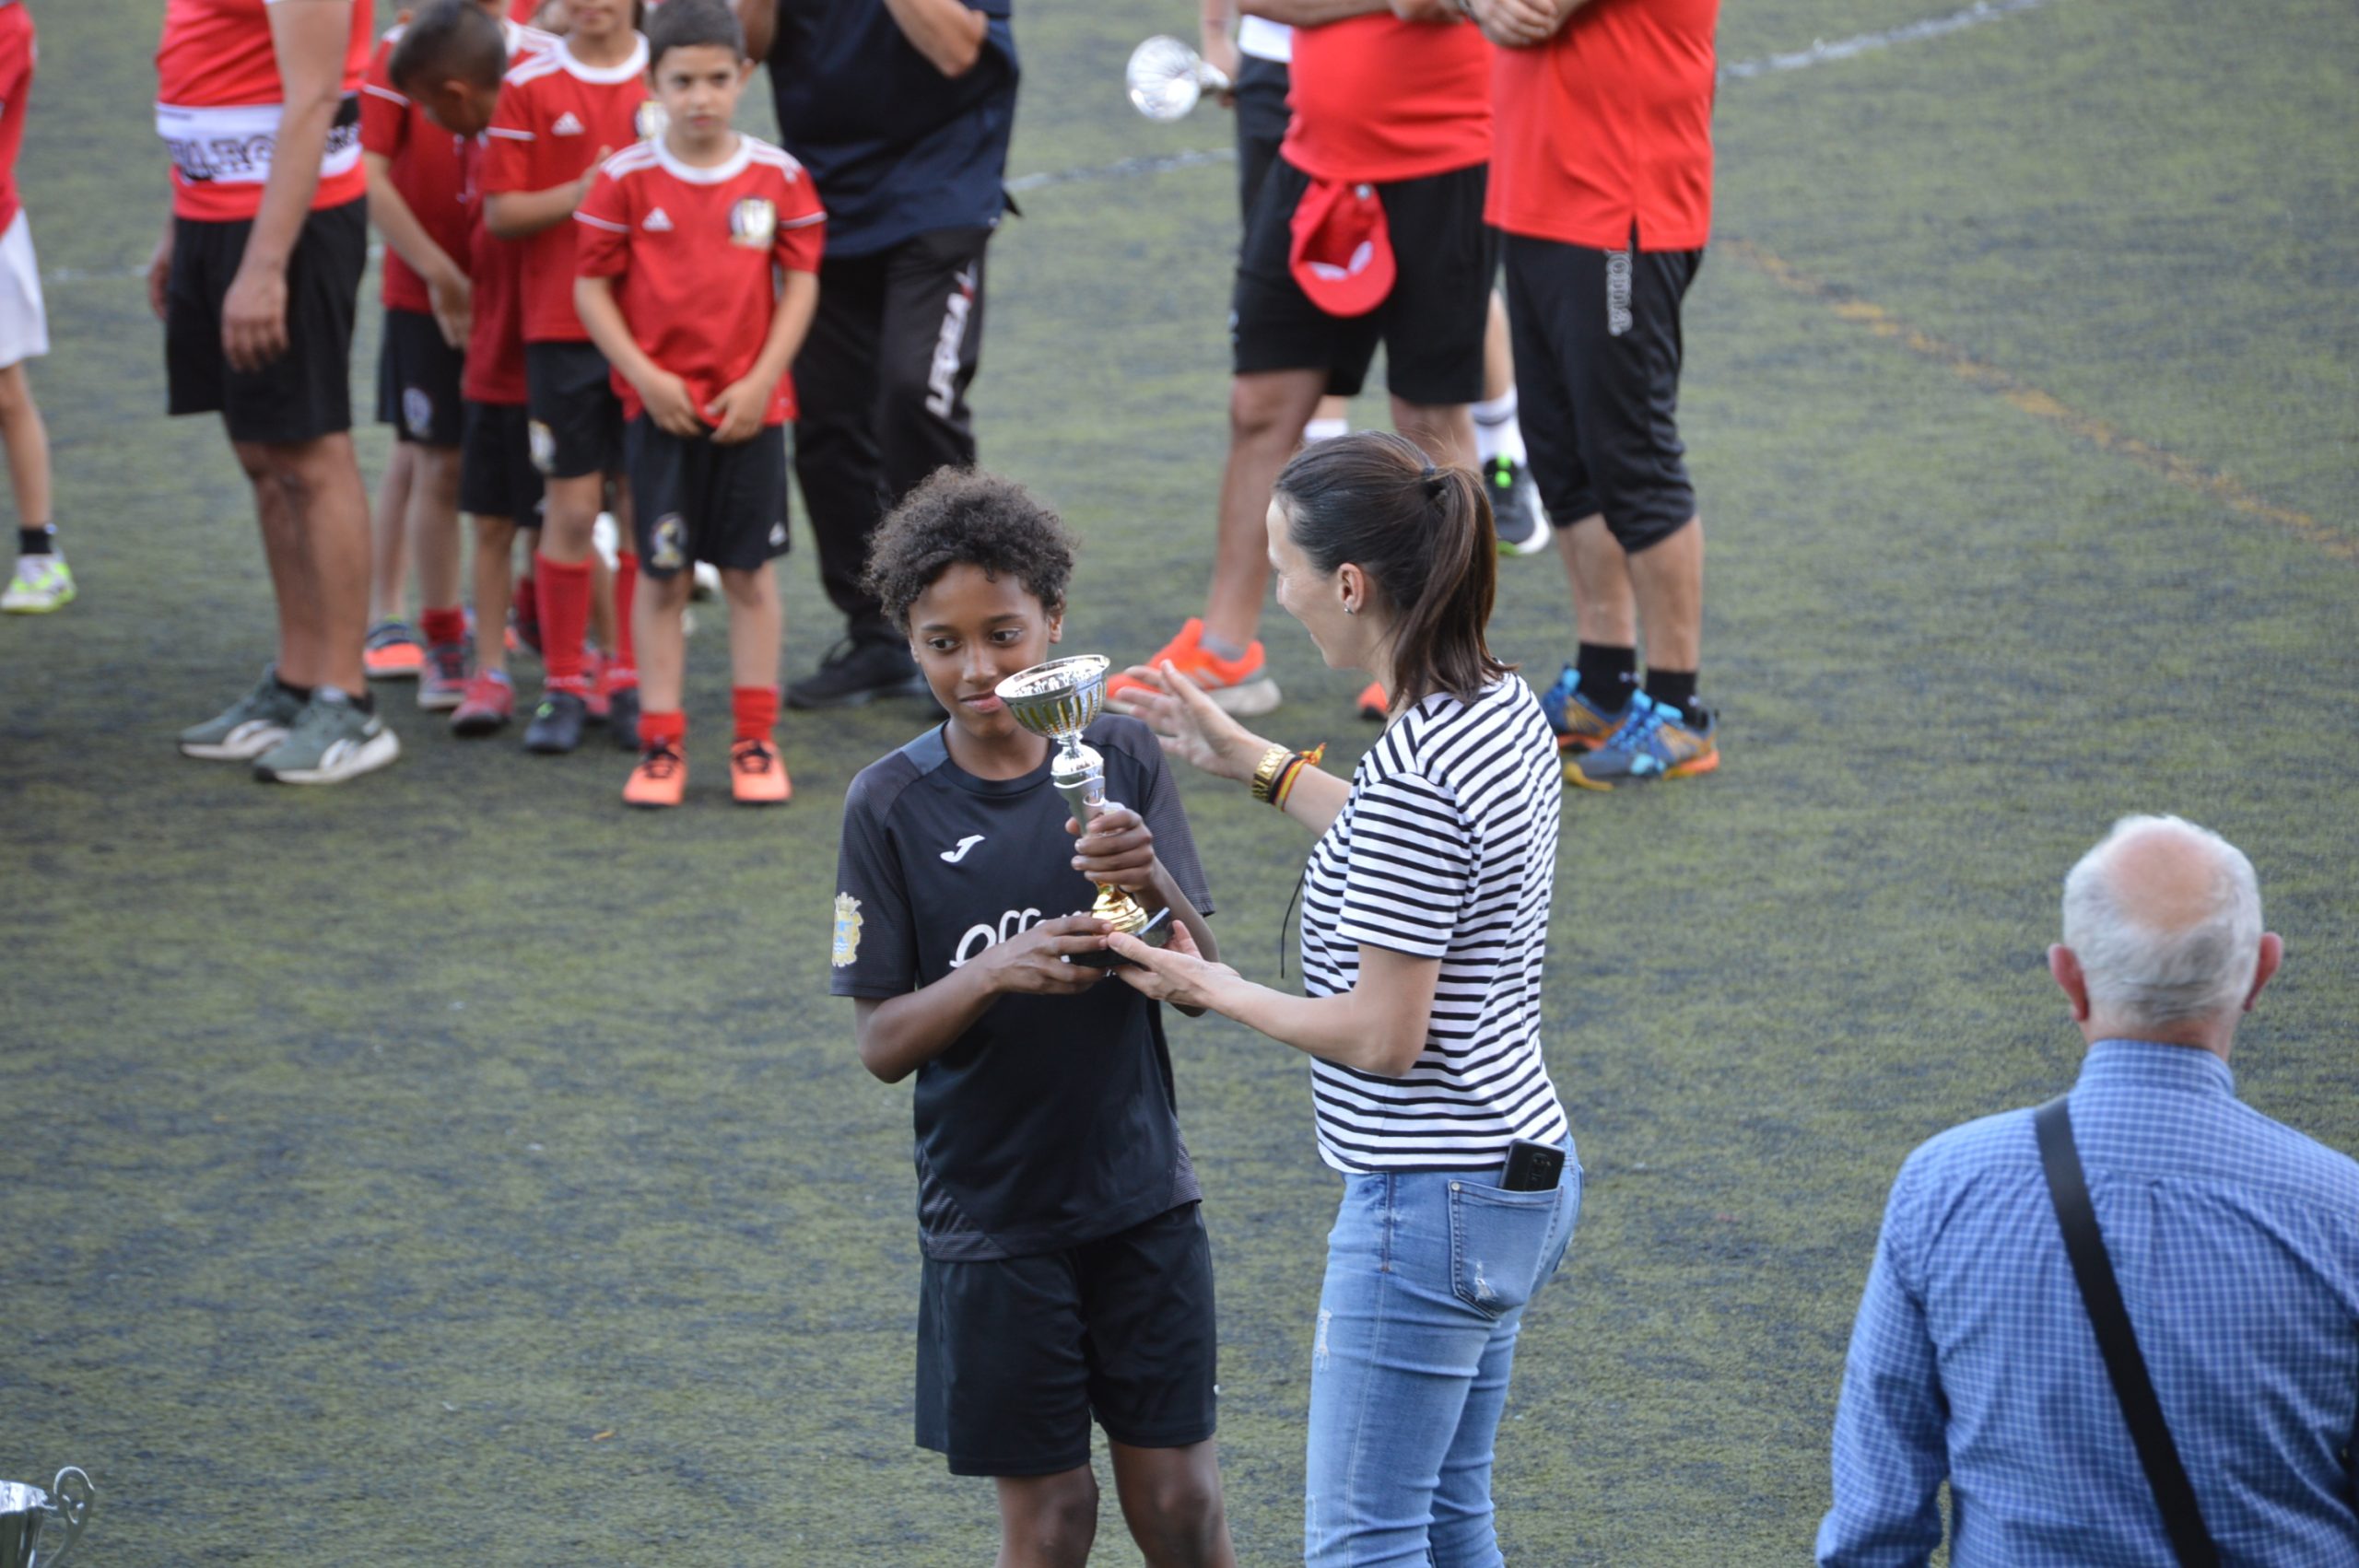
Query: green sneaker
[[42, 583], [250, 727], [331, 740]]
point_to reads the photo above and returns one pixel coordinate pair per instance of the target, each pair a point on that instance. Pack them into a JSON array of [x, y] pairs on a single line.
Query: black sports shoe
[[622, 717], [557, 723], [855, 673]]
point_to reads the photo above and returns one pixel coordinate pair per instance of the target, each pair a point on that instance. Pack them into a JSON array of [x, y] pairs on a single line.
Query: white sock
[[1497, 433], [1325, 430]]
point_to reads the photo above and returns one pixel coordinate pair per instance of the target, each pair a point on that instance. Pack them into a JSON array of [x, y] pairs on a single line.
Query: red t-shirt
[[1376, 99], [1608, 124], [495, 371], [219, 101], [429, 170], [691, 251], [554, 115], [17, 57]]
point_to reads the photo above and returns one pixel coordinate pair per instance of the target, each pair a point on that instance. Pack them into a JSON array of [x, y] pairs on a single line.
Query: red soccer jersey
[[495, 371], [692, 253], [554, 115], [1376, 99], [17, 56], [429, 170], [1608, 124], [219, 101]]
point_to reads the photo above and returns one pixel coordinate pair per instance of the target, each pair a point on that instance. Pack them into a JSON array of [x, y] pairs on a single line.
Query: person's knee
[[1176, 1516], [16, 394], [666, 595], [1052, 1520], [1262, 412], [298, 473], [747, 589]]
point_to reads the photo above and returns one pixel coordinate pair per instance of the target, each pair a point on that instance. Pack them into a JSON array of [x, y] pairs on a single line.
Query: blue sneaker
[[1656, 740], [1580, 724]]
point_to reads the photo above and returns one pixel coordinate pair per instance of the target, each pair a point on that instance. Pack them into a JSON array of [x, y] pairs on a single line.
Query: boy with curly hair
[[1066, 1269]]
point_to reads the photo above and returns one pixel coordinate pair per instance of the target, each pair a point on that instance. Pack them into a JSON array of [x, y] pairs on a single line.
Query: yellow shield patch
[[847, 946]]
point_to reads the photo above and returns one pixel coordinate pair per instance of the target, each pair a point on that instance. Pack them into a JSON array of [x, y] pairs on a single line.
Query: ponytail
[[1424, 537]]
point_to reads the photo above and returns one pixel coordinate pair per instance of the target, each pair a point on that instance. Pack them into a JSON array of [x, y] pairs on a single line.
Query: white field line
[[1820, 53]]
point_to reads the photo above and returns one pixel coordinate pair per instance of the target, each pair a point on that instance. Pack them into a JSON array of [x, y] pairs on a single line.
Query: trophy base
[[1155, 931]]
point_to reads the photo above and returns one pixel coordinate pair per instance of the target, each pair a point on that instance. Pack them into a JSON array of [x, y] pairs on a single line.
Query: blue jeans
[[1428, 1275]]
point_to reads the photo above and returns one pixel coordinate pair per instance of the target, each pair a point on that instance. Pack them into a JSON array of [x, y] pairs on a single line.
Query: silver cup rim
[[1055, 677]]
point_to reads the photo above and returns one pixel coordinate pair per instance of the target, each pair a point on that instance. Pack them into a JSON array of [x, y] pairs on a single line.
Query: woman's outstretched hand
[[1191, 725], [1177, 974]]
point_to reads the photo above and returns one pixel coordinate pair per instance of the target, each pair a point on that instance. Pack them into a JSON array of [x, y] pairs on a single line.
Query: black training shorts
[[577, 414], [1597, 352], [1016, 1354], [417, 380], [693, 499], [496, 473], [1431, 324], [1260, 125], [304, 393]]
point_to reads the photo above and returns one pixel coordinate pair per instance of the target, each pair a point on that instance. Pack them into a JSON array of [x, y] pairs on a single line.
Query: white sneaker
[[41, 583]]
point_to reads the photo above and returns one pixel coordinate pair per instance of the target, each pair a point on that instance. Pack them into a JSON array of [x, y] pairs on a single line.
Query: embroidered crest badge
[[754, 223], [848, 921]]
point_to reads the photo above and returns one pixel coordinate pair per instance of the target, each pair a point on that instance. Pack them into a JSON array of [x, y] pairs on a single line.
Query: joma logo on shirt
[[981, 939]]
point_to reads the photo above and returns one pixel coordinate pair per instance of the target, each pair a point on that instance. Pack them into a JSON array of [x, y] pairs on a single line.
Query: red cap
[[1341, 254]]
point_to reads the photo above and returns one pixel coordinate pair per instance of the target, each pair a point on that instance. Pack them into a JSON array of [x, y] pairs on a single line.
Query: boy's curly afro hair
[[964, 515]]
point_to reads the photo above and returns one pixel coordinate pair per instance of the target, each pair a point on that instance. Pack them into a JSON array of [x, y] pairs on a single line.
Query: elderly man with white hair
[[2231, 1240]]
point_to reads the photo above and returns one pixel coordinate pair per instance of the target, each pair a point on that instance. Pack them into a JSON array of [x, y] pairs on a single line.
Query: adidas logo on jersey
[[567, 125], [658, 222]]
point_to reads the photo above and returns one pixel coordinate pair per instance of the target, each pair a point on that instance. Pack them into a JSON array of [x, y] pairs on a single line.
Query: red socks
[[622, 671], [665, 729], [757, 711], [444, 625], [565, 619]]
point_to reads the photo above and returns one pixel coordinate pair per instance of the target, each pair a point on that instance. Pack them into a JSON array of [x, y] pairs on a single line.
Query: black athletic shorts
[[1597, 352], [1431, 324], [577, 414], [417, 380], [496, 473], [1260, 125], [1015, 1355], [306, 392], [698, 499]]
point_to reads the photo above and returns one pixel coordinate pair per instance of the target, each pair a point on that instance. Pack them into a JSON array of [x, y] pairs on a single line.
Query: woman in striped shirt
[[1425, 920]]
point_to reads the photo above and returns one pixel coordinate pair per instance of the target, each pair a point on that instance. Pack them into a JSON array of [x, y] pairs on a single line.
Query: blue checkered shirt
[[2236, 1243]]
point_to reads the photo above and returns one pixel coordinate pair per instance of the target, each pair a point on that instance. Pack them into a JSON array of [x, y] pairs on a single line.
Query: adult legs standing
[[882, 383]]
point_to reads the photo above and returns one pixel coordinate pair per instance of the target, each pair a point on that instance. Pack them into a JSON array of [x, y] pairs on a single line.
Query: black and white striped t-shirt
[[1446, 849]]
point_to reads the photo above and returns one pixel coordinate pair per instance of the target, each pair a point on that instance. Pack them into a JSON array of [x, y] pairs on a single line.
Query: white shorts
[[24, 325]]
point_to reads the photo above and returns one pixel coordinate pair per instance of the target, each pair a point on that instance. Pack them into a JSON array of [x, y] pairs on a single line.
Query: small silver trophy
[[1166, 78], [1060, 699], [29, 1516]]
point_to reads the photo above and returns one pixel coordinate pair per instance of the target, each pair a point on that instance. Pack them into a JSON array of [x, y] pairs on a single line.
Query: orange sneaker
[[392, 653], [659, 780], [1241, 687], [1374, 704], [757, 775]]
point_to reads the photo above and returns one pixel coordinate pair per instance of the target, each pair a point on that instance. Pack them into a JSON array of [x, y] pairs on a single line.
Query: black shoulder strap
[[2101, 1296]]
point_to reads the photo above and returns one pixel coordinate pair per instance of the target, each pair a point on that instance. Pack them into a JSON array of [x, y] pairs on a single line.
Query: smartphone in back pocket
[[1532, 1167]]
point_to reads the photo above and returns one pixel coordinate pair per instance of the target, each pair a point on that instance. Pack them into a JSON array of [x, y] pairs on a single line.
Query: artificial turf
[[455, 1166]]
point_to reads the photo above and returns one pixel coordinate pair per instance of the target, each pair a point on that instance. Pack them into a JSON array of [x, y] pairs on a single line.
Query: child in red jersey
[[41, 582], [420, 199], [698, 261], [559, 117], [448, 63]]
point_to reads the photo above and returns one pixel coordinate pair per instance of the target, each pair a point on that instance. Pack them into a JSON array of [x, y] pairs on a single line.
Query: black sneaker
[[622, 717], [557, 723], [855, 673]]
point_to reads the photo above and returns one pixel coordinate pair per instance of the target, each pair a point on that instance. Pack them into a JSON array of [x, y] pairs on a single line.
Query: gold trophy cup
[[1060, 699]]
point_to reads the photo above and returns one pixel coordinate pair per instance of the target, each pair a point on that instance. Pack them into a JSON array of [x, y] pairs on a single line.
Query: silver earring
[[1351, 609]]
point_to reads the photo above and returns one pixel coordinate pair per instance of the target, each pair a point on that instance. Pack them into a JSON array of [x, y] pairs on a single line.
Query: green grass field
[[452, 1167]]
